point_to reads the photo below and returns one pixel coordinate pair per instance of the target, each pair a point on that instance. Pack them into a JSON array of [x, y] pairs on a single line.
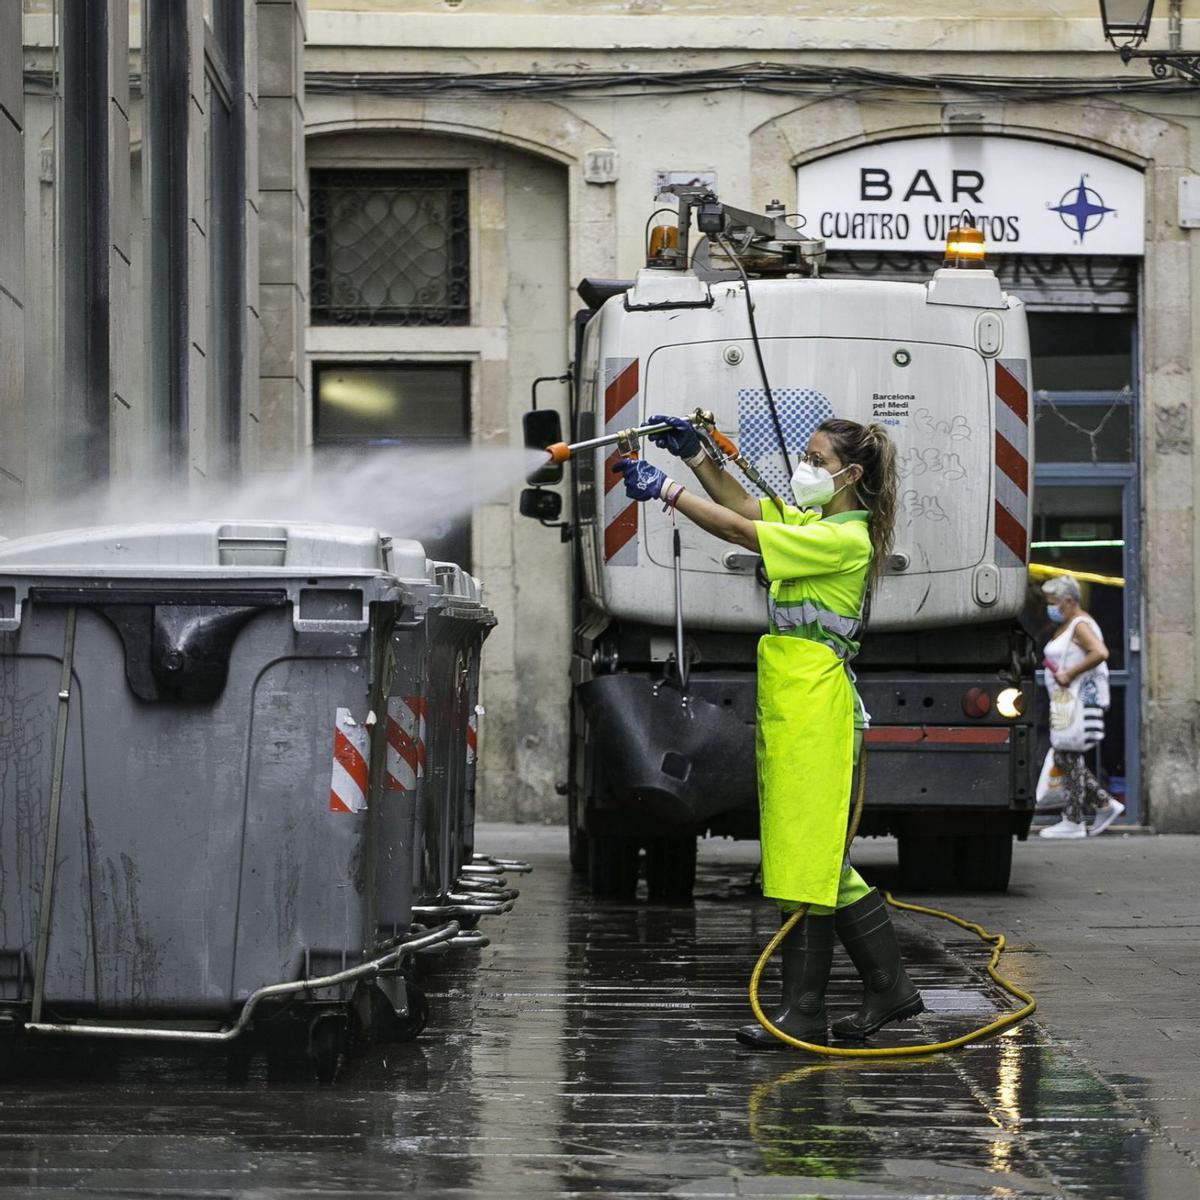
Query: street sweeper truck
[[730, 324]]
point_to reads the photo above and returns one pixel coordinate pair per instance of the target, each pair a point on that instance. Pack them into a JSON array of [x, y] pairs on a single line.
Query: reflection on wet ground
[[588, 1052]]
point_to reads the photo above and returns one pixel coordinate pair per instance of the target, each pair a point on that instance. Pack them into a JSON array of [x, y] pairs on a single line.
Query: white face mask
[[812, 487]]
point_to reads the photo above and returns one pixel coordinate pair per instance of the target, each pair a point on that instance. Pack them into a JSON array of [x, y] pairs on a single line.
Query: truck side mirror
[[543, 427], [541, 505]]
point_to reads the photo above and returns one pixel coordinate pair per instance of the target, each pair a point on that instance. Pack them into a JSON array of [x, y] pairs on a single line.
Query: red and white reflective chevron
[[1012, 462], [620, 513], [351, 751], [405, 758], [473, 736]]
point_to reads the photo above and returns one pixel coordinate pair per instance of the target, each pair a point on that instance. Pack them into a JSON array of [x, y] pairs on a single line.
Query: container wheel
[[10, 1032], [670, 869], [8, 1055], [326, 1045], [410, 1027], [613, 866], [239, 1059], [985, 861]]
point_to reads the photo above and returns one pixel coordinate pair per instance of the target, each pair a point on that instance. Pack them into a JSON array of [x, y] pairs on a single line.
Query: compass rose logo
[[1081, 209]]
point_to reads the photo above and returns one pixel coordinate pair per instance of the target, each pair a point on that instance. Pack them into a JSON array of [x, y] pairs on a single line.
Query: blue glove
[[681, 439], [643, 480]]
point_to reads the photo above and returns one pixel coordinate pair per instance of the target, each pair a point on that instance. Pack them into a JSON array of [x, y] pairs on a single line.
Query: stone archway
[[535, 127], [536, 227], [1151, 143]]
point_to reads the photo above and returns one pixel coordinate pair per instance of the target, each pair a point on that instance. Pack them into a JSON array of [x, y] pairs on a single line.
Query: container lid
[[214, 547]]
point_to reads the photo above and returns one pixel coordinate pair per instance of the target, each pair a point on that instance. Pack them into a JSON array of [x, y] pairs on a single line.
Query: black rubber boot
[[807, 955], [888, 994]]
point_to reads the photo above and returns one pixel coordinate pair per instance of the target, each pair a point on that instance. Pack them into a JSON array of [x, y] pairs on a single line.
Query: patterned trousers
[[1084, 795]]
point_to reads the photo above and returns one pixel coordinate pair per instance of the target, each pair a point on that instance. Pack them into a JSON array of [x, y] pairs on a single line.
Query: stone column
[[279, 423], [1171, 718]]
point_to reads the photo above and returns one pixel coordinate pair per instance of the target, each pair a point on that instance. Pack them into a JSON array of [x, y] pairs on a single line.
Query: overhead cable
[[766, 77]]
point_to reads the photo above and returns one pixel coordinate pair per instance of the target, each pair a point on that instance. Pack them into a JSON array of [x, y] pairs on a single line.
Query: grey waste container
[[206, 771], [405, 716], [475, 712], [458, 624]]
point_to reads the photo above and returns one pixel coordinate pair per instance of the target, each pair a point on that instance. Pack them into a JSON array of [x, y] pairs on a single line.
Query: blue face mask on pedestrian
[[1055, 613]]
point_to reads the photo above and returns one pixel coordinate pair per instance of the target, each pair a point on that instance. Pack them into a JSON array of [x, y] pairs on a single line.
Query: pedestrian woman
[[819, 557], [1076, 661]]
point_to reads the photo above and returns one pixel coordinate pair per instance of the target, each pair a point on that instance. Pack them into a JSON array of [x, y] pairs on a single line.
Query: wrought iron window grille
[[389, 247]]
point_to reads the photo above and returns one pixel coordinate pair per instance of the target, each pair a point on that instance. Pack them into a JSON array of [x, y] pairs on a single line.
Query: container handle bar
[[477, 885], [462, 908], [470, 939], [367, 970], [485, 864]]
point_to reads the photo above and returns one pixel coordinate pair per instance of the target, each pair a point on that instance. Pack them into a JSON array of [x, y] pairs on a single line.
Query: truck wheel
[[577, 840], [928, 862], [985, 861], [670, 869], [578, 793], [612, 866]]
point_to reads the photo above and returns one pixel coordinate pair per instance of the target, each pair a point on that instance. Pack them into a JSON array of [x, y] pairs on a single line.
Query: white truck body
[[945, 366]]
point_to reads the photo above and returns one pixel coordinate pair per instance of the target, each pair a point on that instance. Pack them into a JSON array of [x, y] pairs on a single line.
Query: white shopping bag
[[1068, 730], [1051, 793]]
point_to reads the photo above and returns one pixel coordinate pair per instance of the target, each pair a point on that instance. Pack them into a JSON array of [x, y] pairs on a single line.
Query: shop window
[[392, 403], [1070, 432], [1083, 370], [399, 404], [1081, 527], [389, 247], [1082, 352]]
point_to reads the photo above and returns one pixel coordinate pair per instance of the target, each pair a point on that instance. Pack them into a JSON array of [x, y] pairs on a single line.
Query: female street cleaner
[[819, 558]]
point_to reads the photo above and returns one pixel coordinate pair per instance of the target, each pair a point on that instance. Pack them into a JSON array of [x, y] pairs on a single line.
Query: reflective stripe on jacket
[[818, 572]]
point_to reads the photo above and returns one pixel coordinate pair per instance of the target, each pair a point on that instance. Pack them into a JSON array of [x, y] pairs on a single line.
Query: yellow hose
[[996, 940]]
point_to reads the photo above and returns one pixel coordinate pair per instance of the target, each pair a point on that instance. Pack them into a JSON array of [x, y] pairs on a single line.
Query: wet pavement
[[587, 1052]]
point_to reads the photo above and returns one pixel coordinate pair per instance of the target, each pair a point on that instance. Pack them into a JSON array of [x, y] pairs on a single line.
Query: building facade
[[557, 122], [469, 161], [153, 254]]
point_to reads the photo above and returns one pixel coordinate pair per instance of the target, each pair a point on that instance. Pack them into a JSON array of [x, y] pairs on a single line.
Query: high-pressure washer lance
[[706, 426], [627, 442], [719, 447]]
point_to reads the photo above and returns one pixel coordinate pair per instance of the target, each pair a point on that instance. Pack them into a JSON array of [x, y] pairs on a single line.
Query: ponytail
[[870, 447]]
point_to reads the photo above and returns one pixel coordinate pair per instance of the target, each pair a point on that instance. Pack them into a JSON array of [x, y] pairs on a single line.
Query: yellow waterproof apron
[[807, 706]]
